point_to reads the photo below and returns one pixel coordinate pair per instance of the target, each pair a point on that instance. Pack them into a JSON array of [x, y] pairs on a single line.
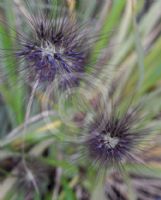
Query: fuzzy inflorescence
[[114, 139], [32, 178], [56, 47], [52, 53]]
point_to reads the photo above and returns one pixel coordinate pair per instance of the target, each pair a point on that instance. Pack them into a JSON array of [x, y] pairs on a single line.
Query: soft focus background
[[127, 56]]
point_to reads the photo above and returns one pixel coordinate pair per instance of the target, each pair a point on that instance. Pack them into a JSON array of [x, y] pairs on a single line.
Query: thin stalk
[[27, 116]]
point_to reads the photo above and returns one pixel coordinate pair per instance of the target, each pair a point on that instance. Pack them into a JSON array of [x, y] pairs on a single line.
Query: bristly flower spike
[[114, 139], [36, 176], [57, 46]]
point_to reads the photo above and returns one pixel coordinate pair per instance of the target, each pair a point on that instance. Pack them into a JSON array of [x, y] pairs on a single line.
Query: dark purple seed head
[[58, 47], [114, 140]]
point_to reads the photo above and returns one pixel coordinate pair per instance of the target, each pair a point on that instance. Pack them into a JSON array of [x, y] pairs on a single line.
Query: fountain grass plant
[[125, 66]]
